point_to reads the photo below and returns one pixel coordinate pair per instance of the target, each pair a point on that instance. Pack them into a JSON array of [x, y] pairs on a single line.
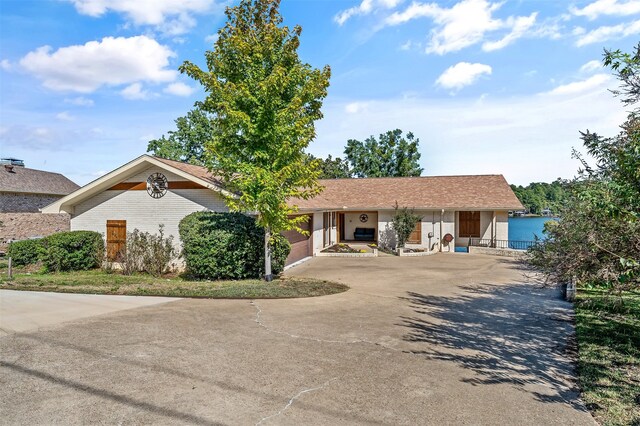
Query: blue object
[[462, 250]]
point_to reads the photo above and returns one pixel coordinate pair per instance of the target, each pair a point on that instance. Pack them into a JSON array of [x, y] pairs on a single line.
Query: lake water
[[525, 228]]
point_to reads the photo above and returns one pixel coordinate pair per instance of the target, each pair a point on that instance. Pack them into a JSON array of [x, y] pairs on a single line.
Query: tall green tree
[[263, 102], [332, 168], [187, 142], [392, 155], [598, 239], [626, 67]]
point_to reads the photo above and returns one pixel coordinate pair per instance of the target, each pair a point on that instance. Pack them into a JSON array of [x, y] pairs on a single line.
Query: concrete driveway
[[444, 339]]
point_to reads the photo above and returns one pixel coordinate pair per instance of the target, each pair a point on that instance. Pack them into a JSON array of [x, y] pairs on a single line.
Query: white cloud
[[464, 24], [355, 107], [65, 116], [179, 89], [528, 138], [591, 66], [364, 8], [594, 82], [462, 74], [519, 27], [135, 92], [6, 65], [606, 33], [110, 62], [79, 101], [212, 39], [169, 16], [607, 7]]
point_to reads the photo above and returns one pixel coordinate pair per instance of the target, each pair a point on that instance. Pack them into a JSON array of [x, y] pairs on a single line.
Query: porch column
[[494, 234]]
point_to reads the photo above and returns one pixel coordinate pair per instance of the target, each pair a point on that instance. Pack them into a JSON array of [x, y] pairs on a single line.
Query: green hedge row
[[228, 246], [63, 251]]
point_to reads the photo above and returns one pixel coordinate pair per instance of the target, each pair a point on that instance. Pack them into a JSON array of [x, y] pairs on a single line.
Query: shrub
[[404, 222], [228, 246], [146, 252], [24, 252], [71, 251]]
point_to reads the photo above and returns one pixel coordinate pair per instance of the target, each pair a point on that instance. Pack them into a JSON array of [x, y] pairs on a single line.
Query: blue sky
[[487, 86]]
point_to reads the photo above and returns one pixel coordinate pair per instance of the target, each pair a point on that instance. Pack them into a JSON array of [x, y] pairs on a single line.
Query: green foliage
[[393, 155], [404, 222], [263, 101], [538, 196], [227, 246], [598, 239], [24, 252], [150, 253], [71, 251], [334, 168], [187, 142], [627, 68]]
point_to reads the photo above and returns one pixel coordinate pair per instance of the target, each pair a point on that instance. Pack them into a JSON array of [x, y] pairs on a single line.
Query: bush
[[71, 251], [404, 222], [228, 246], [150, 253], [24, 252]]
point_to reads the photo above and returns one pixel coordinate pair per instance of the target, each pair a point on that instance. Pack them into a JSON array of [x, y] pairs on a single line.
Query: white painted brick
[[143, 212]]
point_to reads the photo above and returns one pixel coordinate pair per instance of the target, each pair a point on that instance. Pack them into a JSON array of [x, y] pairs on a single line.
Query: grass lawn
[[100, 282], [608, 334]]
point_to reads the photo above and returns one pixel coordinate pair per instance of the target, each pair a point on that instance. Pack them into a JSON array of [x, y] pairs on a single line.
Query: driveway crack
[[292, 400]]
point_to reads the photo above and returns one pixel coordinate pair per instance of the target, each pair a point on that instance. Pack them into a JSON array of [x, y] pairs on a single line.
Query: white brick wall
[[143, 212]]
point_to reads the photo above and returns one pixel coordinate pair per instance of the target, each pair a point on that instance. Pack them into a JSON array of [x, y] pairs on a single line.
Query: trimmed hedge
[[228, 246], [72, 251], [64, 251], [25, 252]]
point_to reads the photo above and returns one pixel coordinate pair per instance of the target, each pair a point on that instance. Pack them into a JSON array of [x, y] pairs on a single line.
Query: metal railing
[[501, 244]]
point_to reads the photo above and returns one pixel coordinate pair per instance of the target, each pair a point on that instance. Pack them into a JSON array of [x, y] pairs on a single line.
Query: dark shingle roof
[[31, 181], [489, 192]]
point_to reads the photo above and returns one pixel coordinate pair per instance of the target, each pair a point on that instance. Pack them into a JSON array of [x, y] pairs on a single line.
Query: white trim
[[103, 183]]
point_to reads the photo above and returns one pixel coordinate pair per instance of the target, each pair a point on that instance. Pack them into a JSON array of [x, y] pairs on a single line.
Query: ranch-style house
[[150, 191]]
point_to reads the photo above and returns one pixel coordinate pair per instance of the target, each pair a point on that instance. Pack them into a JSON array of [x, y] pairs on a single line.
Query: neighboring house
[[23, 191], [150, 191]]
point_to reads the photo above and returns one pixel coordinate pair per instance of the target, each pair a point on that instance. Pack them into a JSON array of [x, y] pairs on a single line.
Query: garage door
[[301, 245]]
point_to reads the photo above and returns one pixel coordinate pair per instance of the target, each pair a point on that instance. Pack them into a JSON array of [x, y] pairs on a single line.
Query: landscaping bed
[[345, 250], [608, 335], [342, 248], [100, 282]]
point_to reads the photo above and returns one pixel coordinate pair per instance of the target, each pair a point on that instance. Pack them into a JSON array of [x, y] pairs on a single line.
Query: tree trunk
[[268, 276]]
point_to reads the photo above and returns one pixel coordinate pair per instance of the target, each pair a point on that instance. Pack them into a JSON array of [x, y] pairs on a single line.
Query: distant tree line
[[392, 154], [538, 196]]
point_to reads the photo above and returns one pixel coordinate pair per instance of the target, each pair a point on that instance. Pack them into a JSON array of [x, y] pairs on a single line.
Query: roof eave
[[66, 203]]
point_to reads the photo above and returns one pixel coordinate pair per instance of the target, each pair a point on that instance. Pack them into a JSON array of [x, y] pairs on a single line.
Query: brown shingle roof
[[490, 192], [197, 171], [22, 179]]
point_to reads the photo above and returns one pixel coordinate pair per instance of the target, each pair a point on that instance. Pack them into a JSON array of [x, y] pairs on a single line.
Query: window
[[469, 224]]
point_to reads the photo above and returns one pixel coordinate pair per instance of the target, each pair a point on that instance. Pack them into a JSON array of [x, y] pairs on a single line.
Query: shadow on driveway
[[514, 334]]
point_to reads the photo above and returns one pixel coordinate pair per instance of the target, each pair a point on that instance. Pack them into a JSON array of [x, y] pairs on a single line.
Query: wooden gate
[[116, 239]]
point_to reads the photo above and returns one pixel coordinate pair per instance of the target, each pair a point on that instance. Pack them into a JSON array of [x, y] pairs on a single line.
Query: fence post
[[9, 269], [570, 293]]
